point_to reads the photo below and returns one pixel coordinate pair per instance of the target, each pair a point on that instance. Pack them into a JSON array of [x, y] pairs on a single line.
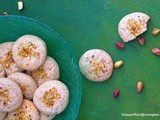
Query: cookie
[[49, 70], [132, 25], [51, 97], [29, 52], [6, 58], [96, 65], [26, 83], [27, 111], [10, 95]]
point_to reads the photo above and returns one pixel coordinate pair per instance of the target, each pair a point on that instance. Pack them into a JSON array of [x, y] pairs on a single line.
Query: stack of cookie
[[29, 86]]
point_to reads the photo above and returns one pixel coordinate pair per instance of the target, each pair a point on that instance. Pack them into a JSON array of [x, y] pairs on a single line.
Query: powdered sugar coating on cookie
[[46, 117], [29, 52], [6, 58], [10, 95], [96, 65], [27, 111], [132, 25], [26, 83], [51, 97], [49, 70]]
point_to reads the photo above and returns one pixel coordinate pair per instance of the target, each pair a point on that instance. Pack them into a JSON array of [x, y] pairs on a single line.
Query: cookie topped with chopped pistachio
[[10, 95], [51, 97], [29, 52], [26, 83], [6, 58], [27, 111], [49, 70], [96, 65], [132, 25]]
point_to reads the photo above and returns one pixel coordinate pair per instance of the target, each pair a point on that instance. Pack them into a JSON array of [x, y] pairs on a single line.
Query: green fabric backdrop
[[87, 24]]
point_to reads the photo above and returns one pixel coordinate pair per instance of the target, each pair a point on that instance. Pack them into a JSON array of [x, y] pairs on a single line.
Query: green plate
[[12, 27]]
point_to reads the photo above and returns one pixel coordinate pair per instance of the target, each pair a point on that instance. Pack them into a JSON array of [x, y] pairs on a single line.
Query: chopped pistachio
[[20, 5], [9, 60], [7, 65], [21, 114], [23, 87], [134, 27], [27, 50], [4, 95], [50, 97]]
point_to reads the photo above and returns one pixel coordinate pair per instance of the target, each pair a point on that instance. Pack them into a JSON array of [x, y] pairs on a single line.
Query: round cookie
[[2, 71], [46, 117], [49, 70], [96, 65], [51, 97], [27, 111], [132, 25], [2, 115], [6, 58], [26, 83], [29, 52], [10, 95]]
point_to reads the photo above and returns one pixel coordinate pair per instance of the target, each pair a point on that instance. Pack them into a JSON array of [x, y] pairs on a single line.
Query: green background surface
[[88, 24]]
